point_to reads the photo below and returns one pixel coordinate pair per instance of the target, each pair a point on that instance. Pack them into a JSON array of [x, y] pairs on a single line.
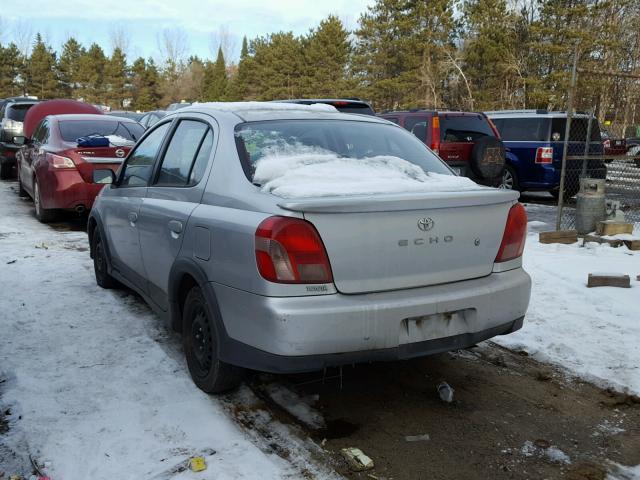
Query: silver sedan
[[288, 238]]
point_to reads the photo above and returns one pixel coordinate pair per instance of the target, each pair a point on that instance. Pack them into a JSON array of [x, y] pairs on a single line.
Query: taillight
[[544, 155], [607, 143], [515, 233], [435, 134], [289, 250], [58, 161]]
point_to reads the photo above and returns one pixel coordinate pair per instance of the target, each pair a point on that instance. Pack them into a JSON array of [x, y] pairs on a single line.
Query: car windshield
[[17, 111], [335, 139], [464, 128], [71, 130]]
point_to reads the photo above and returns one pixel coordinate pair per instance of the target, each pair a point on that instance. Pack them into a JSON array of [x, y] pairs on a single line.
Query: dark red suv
[[468, 142]]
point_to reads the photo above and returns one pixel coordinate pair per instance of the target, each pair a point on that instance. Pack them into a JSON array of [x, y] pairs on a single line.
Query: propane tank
[[590, 205]]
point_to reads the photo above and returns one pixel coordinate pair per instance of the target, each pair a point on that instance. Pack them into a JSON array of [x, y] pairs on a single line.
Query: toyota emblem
[[119, 153], [425, 224]]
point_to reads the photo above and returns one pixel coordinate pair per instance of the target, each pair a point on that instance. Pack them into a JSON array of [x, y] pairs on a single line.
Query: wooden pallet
[[562, 236]]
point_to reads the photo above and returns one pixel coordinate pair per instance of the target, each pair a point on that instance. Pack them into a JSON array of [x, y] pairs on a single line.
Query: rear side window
[[41, 134], [186, 157], [464, 128], [523, 129], [578, 132], [139, 165], [17, 111]]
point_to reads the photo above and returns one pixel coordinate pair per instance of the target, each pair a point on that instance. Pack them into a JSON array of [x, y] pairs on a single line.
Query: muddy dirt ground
[[502, 401]]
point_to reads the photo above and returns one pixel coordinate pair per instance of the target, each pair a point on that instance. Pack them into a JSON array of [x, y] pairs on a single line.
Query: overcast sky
[[142, 21]]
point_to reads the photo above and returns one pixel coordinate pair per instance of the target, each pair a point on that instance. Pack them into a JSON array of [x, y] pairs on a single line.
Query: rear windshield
[[578, 132], [295, 139], [17, 111], [464, 128], [523, 129], [71, 130]]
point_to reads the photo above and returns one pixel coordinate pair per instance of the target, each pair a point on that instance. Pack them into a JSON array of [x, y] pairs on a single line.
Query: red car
[[57, 172]]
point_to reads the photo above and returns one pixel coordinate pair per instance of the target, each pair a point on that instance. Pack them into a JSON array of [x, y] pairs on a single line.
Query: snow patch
[[552, 453], [606, 351], [624, 473], [299, 407], [307, 172], [100, 383]]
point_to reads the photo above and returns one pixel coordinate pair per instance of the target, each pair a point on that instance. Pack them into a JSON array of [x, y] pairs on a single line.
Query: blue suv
[[535, 140]]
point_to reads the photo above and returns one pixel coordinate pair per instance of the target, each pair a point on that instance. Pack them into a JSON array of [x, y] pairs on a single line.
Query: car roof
[[257, 111], [533, 113]]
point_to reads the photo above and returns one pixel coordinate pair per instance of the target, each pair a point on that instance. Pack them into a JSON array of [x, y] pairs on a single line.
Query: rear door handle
[[133, 218], [175, 226]]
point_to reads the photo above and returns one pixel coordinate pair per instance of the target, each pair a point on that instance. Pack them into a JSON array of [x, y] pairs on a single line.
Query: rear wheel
[[568, 192], [103, 278], [199, 338], [45, 215]]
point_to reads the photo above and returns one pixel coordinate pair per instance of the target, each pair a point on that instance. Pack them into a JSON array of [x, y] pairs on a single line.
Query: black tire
[[45, 215], [509, 179], [637, 162], [488, 158], [103, 279], [6, 170], [199, 339], [568, 192]]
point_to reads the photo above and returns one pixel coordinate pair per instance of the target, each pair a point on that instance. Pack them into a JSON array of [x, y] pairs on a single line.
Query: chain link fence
[[601, 144]]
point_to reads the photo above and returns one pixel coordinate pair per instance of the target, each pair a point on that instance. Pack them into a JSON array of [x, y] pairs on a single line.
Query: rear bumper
[[65, 189], [294, 334]]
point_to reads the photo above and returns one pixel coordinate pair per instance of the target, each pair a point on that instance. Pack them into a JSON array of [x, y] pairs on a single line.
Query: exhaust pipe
[[80, 209]]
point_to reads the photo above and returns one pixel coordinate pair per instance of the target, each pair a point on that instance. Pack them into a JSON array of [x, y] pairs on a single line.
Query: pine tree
[[91, 75], [403, 52], [116, 79], [42, 69], [278, 67], [489, 55], [145, 85], [326, 53], [215, 79], [11, 64], [239, 85], [69, 66]]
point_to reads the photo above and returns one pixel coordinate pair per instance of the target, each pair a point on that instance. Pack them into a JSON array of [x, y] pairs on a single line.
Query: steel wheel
[[201, 340]]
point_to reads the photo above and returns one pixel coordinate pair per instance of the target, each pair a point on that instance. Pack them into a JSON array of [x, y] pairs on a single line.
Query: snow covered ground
[[96, 384], [592, 332]]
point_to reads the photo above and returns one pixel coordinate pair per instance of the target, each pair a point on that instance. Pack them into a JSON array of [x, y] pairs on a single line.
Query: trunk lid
[[88, 159], [389, 242]]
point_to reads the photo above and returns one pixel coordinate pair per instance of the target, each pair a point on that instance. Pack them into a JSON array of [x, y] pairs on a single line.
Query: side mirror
[[104, 176], [20, 140]]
